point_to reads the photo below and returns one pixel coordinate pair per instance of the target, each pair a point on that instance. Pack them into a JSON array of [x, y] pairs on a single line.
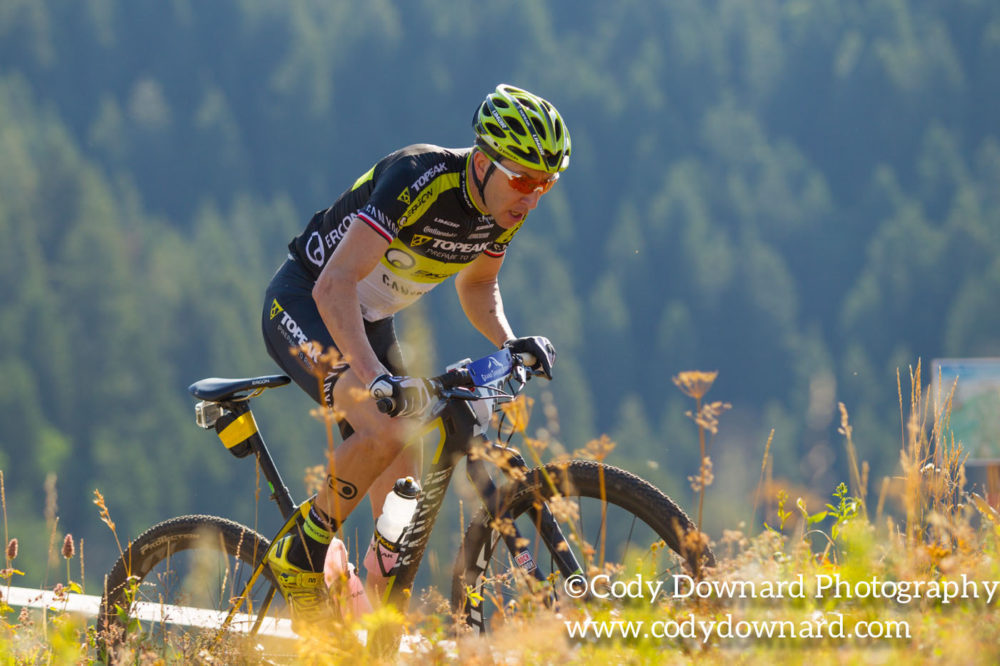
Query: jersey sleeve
[[385, 209]]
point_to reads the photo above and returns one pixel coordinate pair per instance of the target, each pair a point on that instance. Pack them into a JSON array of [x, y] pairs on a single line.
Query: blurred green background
[[802, 195]]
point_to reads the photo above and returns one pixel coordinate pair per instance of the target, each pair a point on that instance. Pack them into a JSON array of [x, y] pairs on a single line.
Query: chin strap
[[481, 184]]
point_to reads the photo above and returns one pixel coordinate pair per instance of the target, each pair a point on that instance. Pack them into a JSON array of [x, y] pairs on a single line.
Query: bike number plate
[[491, 369]]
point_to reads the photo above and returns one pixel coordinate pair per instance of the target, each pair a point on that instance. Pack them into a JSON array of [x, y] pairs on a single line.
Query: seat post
[[279, 491]]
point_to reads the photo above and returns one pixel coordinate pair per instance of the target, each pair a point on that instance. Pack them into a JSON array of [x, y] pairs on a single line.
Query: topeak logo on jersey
[[404, 196], [290, 330], [452, 246], [276, 309], [419, 239], [425, 178]]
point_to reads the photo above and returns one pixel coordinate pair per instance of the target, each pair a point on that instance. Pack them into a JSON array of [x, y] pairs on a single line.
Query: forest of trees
[[801, 194]]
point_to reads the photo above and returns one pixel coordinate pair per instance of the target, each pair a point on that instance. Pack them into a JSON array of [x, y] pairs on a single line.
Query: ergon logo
[[399, 259], [420, 202], [335, 235], [314, 249]]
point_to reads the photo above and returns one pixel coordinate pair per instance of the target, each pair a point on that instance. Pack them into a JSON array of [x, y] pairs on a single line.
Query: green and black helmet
[[522, 127]]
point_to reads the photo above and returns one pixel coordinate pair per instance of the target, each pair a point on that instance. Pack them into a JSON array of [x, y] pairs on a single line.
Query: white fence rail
[[89, 605]]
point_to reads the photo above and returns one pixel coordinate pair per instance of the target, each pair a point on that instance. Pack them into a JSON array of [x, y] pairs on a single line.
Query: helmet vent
[[495, 130], [516, 126], [529, 155]]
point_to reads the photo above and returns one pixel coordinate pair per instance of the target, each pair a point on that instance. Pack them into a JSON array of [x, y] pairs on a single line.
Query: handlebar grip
[[453, 379], [528, 359], [385, 405]]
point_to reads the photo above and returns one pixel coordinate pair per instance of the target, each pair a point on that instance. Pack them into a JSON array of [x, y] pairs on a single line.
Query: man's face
[[505, 204]]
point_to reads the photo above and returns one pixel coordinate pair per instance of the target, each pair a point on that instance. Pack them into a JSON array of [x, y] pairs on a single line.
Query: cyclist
[[418, 216]]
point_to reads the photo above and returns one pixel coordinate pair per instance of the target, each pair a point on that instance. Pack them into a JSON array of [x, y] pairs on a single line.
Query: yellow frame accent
[[436, 424]]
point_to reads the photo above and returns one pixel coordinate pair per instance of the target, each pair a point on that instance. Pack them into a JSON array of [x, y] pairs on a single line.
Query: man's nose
[[531, 200]]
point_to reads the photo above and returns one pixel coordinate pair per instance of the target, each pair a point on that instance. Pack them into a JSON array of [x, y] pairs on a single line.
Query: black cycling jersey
[[418, 199]]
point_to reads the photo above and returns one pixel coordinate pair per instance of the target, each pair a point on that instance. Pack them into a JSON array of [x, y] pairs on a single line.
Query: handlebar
[[461, 381]]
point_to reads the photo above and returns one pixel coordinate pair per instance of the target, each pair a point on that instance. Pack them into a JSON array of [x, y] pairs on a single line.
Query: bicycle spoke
[[186, 582], [633, 532], [628, 541]]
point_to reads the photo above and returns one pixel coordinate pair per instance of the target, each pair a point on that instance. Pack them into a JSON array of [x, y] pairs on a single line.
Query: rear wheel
[[172, 588], [608, 516]]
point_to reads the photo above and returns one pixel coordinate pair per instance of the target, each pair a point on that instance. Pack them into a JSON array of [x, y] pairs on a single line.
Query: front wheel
[[608, 517], [173, 586]]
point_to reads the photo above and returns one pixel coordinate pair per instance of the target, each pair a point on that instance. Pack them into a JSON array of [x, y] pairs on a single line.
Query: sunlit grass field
[[905, 574]]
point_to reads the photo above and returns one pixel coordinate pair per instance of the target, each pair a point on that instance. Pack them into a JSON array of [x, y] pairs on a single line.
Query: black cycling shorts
[[291, 319]]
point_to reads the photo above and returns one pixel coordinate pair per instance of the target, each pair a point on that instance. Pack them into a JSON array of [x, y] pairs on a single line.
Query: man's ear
[[480, 162]]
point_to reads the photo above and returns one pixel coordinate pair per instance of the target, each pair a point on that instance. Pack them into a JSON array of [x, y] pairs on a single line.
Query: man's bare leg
[[368, 454]]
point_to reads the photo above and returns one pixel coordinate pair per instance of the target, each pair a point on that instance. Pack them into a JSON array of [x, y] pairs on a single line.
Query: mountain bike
[[555, 521]]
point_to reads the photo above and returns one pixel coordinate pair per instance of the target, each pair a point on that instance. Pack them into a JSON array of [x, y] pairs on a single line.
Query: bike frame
[[460, 431]]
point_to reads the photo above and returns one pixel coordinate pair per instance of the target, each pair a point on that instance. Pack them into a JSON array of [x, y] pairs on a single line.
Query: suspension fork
[[546, 524]]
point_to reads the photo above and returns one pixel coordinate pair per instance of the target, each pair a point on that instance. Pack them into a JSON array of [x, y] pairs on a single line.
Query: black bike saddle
[[214, 389]]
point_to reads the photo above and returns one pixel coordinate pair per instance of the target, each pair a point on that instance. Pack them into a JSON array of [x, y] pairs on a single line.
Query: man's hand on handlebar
[[536, 351], [413, 396], [402, 396]]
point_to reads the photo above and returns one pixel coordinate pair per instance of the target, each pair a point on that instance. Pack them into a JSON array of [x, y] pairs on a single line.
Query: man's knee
[[386, 439]]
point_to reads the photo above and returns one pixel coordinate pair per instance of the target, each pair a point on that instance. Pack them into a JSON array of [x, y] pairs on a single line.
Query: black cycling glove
[[536, 351], [401, 396]]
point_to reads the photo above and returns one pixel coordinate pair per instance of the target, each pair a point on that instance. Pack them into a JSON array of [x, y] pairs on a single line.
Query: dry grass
[[944, 539]]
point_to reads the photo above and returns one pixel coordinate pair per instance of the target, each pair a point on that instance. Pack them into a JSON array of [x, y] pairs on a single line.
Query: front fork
[[543, 520]]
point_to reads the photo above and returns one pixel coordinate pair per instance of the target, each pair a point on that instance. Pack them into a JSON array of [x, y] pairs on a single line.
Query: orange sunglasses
[[526, 184]]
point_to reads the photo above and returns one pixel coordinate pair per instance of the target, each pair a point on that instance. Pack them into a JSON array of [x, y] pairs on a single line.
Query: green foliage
[[798, 194]]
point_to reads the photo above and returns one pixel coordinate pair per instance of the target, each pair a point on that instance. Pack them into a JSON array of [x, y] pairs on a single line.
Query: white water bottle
[[397, 512]]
